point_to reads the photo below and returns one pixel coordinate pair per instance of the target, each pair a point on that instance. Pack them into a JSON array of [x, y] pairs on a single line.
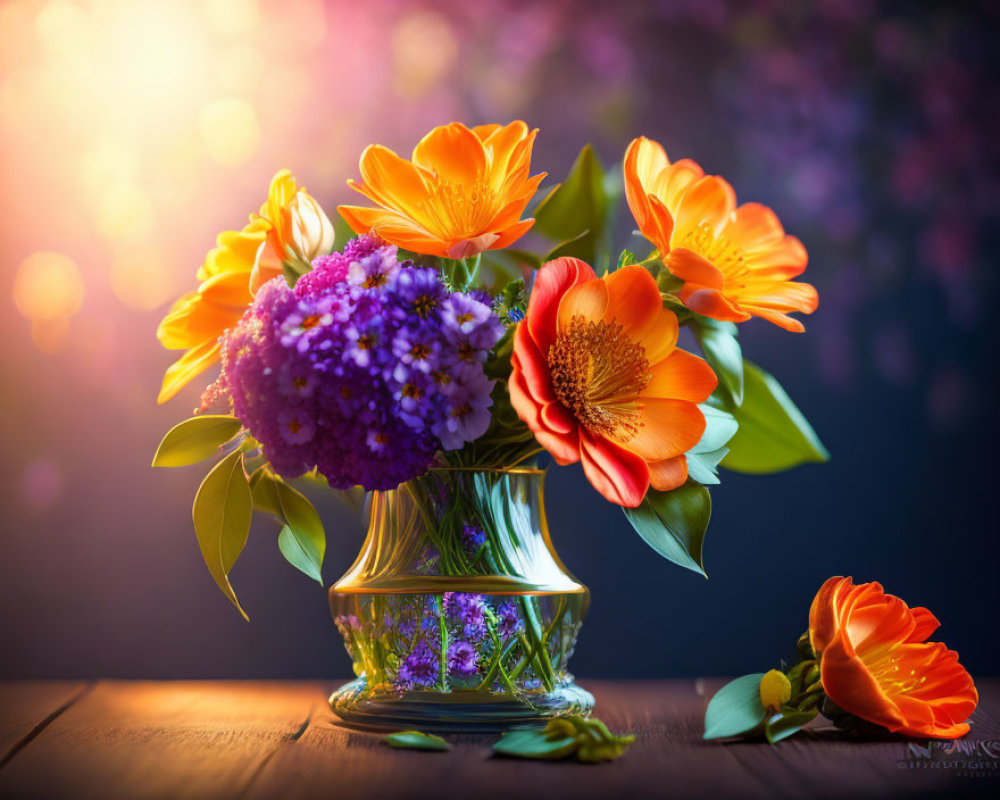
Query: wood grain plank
[[161, 740], [26, 707]]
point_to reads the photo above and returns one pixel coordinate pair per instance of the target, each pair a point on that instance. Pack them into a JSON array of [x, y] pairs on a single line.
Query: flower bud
[[775, 690]]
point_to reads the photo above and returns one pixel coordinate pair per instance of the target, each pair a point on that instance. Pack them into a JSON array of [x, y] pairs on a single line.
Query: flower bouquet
[[432, 367]]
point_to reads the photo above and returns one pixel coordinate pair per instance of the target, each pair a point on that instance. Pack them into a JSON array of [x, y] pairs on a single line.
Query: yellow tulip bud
[[775, 690]]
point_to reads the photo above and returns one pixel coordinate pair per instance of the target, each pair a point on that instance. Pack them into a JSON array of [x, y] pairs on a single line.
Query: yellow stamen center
[[424, 305], [720, 251], [294, 426], [597, 372], [460, 211]]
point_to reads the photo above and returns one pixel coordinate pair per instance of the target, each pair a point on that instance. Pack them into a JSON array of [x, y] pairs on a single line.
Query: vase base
[[458, 711]]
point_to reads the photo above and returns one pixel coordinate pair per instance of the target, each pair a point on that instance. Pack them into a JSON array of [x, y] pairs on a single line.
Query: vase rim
[[499, 470]]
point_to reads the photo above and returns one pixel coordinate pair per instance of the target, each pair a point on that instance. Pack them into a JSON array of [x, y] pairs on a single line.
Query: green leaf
[[580, 246], [577, 206], [415, 740], [721, 349], [773, 434], [736, 708], [195, 439], [627, 257], [221, 514], [674, 523], [302, 540], [703, 459], [535, 744], [789, 721]]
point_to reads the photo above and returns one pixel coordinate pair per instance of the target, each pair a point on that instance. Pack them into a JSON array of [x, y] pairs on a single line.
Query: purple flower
[[469, 611], [419, 668], [473, 537], [508, 620], [356, 372], [462, 658]]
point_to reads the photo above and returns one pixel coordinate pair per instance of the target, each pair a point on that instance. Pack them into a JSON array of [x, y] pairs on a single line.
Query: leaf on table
[[535, 744], [773, 434], [415, 740], [195, 439], [789, 721], [735, 709], [674, 523], [221, 514]]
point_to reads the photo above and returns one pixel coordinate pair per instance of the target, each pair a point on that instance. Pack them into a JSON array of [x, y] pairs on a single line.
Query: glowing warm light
[[61, 27], [124, 212], [108, 165], [232, 17], [48, 287], [425, 49], [142, 278], [230, 130]]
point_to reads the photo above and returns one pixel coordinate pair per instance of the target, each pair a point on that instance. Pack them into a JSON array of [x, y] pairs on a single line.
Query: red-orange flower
[[736, 262], [462, 192], [598, 378], [876, 662]]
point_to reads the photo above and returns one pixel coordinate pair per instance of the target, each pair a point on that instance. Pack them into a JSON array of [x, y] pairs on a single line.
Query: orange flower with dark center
[[736, 262], [598, 378], [462, 192], [876, 662]]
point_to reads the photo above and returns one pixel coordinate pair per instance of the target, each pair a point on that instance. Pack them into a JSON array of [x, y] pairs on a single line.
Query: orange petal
[[193, 320], [681, 376], [553, 280], [619, 475], [500, 145], [644, 159], [781, 320], [668, 474], [660, 338], [849, 684], [557, 418], [712, 303], [186, 368], [453, 153], [634, 300], [393, 182], [485, 131], [565, 449], [777, 262], [512, 234], [689, 266], [754, 226], [588, 300], [781, 295], [533, 364], [924, 624], [707, 203], [824, 619], [659, 226], [227, 288], [672, 182], [667, 428]]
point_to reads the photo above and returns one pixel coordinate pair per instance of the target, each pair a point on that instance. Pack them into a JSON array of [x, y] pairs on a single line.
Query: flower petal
[[693, 268], [660, 338], [705, 204], [924, 622], [634, 300], [553, 280], [453, 153], [712, 303], [667, 428], [588, 300], [619, 475], [668, 474], [530, 361], [393, 182], [824, 619], [681, 376], [186, 368]]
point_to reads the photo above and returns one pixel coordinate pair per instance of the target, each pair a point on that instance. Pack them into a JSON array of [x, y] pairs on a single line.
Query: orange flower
[[876, 662], [598, 378], [289, 223], [736, 262], [462, 193]]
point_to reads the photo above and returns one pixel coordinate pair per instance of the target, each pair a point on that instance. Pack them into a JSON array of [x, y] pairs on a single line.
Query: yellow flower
[[297, 229], [290, 222], [775, 690], [462, 192]]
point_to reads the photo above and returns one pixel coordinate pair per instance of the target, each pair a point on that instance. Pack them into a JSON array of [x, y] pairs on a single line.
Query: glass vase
[[458, 615]]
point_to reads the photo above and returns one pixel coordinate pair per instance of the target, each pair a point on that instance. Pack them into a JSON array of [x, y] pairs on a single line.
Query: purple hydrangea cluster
[[469, 611], [364, 370], [419, 668]]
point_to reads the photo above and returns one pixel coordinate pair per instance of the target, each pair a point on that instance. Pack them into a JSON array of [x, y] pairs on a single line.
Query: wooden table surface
[[129, 739]]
